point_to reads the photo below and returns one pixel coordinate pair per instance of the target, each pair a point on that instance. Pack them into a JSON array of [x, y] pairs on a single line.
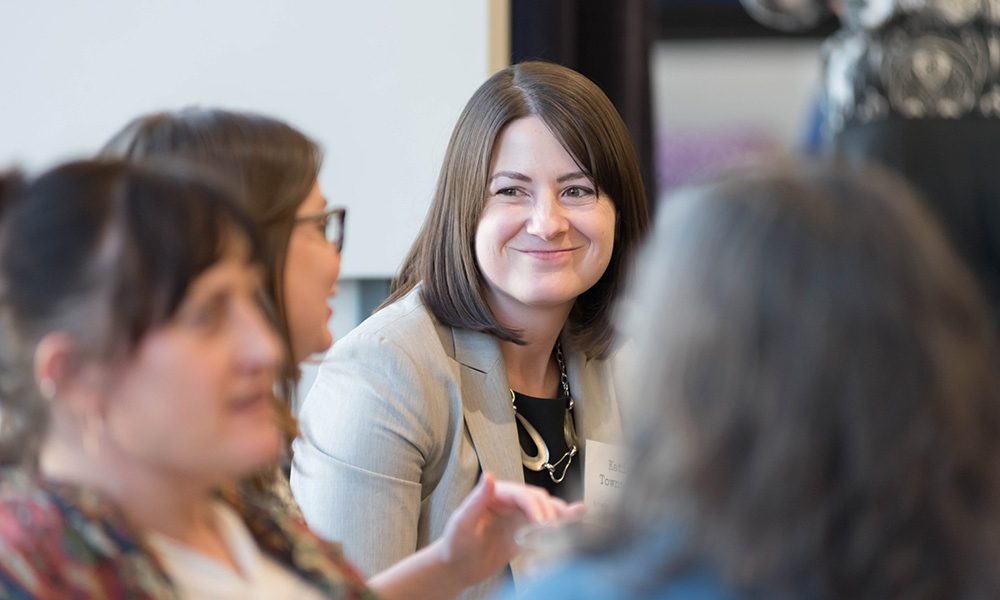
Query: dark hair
[[104, 251], [588, 126], [817, 406], [274, 165]]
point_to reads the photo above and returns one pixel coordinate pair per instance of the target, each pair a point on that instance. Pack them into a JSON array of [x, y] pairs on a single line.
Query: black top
[[547, 416]]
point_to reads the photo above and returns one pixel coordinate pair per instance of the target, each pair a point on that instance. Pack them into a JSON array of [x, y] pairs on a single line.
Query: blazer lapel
[[596, 404], [488, 413], [486, 402]]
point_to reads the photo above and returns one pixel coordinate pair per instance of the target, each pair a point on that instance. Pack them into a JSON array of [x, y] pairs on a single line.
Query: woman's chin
[[324, 344], [314, 352], [262, 455]]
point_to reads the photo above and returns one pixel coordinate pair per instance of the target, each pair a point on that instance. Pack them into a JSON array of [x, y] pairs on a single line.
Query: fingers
[[483, 495], [574, 511], [522, 498], [486, 486], [534, 502]]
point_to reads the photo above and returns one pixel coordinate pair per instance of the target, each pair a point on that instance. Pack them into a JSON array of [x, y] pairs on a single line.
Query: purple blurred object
[[685, 155]]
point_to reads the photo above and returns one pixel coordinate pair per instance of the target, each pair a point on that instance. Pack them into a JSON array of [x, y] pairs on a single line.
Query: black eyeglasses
[[332, 224]]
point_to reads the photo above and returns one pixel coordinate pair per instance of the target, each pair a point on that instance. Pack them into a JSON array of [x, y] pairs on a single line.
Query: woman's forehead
[[232, 270]]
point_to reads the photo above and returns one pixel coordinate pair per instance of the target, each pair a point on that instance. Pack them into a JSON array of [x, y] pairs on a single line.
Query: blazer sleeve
[[366, 435]]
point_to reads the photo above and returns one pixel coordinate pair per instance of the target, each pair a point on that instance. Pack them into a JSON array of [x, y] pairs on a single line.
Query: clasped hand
[[479, 537]]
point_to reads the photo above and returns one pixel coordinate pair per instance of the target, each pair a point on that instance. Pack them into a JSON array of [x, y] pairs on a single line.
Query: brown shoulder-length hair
[[274, 166], [817, 402], [588, 126]]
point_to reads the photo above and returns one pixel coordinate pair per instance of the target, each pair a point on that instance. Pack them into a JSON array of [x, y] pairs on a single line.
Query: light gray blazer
[[404, 415]]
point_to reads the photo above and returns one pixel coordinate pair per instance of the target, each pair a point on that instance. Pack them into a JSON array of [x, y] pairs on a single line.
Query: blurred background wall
[[380, 83]]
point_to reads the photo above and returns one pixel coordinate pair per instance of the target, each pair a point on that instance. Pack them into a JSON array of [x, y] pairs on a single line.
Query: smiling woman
[[310, 275], [495, 350], [546, 233]]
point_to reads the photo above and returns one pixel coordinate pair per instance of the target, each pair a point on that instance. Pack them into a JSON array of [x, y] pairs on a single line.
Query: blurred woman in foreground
[[817, 411], [137, 380]]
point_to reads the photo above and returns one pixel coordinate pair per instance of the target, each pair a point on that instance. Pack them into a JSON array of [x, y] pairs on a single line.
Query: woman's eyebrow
[[573, 175], [523, 177], [511, 175]]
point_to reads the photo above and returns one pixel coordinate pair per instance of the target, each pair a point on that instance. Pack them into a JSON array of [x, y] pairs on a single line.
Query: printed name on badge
[[604, 472]]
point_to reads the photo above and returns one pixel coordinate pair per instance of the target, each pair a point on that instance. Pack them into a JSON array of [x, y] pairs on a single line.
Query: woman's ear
[[60, 372], [53, 358]]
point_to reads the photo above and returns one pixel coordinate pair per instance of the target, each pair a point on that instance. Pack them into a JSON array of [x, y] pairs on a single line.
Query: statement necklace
[[541, 458]]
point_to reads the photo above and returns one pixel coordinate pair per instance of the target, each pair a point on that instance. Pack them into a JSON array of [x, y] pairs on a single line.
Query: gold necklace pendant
[[541, 457], [540, 460]]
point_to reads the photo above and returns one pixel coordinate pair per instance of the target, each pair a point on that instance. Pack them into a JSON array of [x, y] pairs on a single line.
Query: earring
[[47, 388]]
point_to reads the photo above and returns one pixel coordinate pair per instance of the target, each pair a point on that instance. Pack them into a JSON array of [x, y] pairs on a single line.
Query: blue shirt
[[618, 576]]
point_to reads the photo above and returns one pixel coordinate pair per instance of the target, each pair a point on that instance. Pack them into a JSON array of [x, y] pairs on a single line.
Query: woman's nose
[[547, 219], [259, 345]]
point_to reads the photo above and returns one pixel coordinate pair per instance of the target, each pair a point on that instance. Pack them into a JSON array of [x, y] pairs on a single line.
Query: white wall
[[379, 83]]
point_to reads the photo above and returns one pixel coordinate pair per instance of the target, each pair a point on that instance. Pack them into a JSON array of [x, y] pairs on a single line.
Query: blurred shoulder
[[284, 535], [607, 579], [57, 544], [406, 322], [30, 514]]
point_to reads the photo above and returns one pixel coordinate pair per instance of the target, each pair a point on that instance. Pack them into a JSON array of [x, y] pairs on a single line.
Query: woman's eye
[[210, 315], [577, 191], [507, 192]]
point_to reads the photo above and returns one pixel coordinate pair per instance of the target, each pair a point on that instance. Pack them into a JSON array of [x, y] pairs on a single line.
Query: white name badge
[[603, 477]]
